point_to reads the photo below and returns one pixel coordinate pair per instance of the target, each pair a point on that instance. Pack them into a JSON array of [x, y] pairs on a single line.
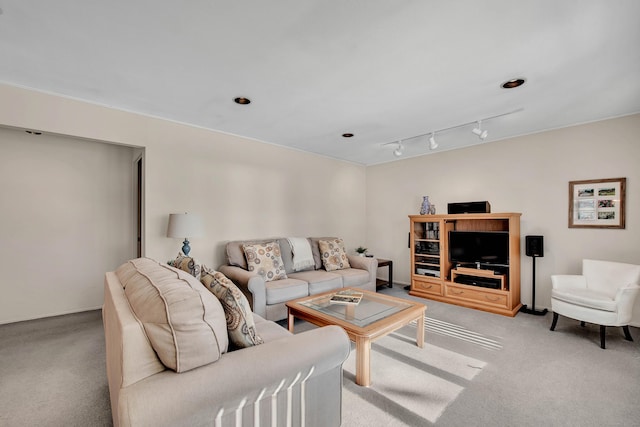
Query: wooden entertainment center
[[484, 287]]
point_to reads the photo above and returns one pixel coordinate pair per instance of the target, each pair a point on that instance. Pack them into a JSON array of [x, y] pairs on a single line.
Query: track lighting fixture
[[398, 151], [432, 141], [482, 134]]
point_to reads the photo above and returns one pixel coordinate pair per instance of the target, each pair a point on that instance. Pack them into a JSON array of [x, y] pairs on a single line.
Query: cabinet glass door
[[427, 248]]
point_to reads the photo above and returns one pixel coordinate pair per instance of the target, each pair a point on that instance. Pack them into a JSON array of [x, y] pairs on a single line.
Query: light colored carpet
[[477, 369], [418, 380], [52, 372], [483, 369]]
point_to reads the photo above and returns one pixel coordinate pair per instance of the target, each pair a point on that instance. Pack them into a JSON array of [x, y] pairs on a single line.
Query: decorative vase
[[426, 206], [432, 209]]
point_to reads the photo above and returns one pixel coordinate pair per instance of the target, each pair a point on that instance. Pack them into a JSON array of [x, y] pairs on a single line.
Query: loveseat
[[268, 297], [170, 361]]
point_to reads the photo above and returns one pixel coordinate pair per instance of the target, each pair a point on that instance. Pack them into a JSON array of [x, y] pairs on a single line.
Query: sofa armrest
[[251, 285], [369, 264], [564, 281], [267, 373]]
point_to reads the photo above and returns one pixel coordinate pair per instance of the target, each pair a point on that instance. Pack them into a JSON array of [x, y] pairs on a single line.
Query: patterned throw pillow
[[266, 260], [240, 325], [187, 264], [334, 257]]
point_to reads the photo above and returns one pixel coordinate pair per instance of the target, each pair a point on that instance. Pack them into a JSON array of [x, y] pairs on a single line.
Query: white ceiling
[[314, 69]]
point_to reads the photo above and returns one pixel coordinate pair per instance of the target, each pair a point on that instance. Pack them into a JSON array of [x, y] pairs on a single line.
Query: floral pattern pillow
[[240, 325], [334, 257], [186, 263], [266, 260]]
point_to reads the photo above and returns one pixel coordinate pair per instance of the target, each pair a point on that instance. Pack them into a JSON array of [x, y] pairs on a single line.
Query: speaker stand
[[533, 310]]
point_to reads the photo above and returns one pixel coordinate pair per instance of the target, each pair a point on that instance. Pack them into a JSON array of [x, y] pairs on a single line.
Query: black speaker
[[468, 207], [534, 246]]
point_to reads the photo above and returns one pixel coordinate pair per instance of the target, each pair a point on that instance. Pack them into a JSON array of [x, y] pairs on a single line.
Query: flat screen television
[[484, 247]]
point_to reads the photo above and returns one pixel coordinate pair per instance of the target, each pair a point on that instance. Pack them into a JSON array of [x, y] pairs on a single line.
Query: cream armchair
[[604, 295]]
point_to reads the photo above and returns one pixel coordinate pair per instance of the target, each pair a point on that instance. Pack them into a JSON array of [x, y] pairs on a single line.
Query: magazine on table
[[346, 297]]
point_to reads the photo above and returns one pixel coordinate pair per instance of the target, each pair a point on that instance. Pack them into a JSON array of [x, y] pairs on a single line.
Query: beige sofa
[[268, 298], [287, 380]]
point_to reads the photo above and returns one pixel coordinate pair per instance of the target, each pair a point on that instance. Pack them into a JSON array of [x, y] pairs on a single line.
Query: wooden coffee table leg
[[420, 331], [363, 361], [290, 321]]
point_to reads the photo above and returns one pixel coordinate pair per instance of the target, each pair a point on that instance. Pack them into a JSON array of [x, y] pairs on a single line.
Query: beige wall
[[67, 216], [528, 174], [241, 188], [247, 189]]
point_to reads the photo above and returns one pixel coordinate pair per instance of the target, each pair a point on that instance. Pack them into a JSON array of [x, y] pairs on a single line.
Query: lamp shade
[[184, 226]]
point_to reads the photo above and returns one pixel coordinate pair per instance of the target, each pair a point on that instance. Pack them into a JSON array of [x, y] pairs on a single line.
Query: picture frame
[[597, 203]]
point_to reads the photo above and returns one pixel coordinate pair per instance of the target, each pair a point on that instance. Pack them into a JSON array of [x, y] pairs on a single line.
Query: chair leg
[[555, 320], [603, 332], [627, 335]]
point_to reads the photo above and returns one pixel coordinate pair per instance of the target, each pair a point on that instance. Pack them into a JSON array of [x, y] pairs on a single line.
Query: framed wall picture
[[597, 203]]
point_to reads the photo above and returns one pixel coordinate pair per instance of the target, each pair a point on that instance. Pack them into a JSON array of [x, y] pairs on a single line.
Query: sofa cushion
[[236, 256], [586, 298], [287, 255], [240, 324], [301, 254], [315, 250], [184, 322], [353, 277], [334, 256], [235, 252], [319, 280], [268, 330], [265, 260], [280, 291], [186, 263]]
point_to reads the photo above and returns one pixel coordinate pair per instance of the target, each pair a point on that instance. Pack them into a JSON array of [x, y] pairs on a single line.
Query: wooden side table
[[385, 263]]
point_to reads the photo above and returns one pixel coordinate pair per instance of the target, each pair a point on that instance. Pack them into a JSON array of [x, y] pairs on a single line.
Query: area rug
[[411, 386]]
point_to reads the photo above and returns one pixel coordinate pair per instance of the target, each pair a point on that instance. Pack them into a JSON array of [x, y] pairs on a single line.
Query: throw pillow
[[265, 259], [186, 263], [334, 257], [317, 257], [240, 325], [185, 324]]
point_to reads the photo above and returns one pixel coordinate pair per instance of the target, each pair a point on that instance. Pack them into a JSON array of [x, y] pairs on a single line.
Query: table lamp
[[184, 226]]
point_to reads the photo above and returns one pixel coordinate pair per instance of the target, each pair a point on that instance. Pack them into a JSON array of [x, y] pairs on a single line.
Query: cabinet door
[[427, 249]]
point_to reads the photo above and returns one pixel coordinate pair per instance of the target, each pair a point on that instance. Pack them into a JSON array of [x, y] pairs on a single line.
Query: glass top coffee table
[[374, 317]]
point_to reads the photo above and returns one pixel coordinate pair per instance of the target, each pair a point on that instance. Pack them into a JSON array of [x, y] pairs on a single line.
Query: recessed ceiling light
[[347, 135], [33, 132], [513, 83], [242, 100]]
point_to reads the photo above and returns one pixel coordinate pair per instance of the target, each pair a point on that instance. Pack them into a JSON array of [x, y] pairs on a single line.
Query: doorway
[[139, 190]]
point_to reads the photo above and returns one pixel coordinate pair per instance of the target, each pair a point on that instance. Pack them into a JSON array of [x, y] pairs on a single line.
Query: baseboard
[[399, 283], [44, 316]]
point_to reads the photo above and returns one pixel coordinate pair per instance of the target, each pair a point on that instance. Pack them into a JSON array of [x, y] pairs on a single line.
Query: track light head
[[482, 134], [398, 151], [432, 142]]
